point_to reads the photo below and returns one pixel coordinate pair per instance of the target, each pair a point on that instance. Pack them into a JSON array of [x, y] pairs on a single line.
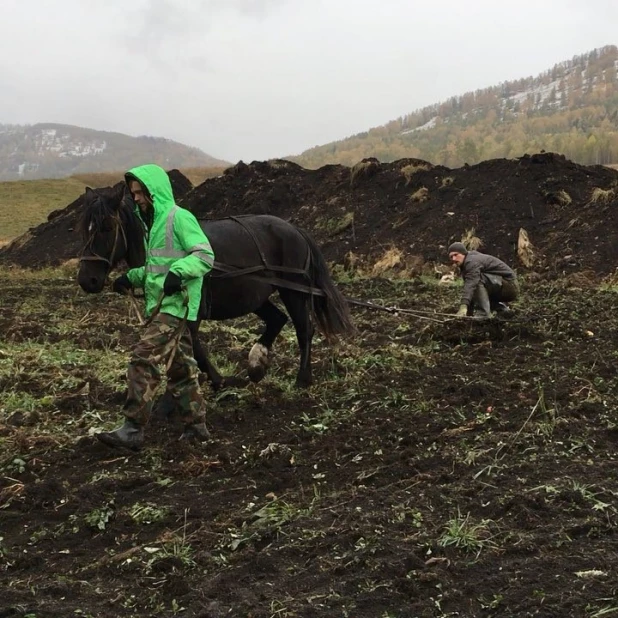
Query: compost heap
[[405, 212]]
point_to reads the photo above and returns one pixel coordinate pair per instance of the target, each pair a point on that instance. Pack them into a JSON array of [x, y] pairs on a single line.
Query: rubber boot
[[482, 304], [197, 432], [503, 310], [130, 435]]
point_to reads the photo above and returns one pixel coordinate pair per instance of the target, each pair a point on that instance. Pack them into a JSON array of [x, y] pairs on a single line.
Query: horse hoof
[[258, 362]]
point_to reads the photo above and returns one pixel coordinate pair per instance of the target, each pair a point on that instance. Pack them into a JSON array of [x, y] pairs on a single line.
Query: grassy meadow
[[26, 203]]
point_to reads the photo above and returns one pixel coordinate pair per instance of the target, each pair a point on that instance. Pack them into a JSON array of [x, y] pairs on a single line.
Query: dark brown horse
[[256, 255]]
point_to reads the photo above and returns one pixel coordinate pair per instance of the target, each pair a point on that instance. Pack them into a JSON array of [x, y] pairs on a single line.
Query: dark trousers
[[500, 290], [493, 290]]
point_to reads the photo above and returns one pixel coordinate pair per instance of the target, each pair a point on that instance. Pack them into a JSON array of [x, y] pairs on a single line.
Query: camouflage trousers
[[162, 338]]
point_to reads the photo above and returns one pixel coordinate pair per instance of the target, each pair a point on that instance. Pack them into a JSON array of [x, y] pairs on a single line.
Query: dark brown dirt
[[494, 198], [342, 500], [335, 501]]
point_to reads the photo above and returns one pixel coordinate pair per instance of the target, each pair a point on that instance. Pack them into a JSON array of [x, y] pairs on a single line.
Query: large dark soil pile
[[568, 210]]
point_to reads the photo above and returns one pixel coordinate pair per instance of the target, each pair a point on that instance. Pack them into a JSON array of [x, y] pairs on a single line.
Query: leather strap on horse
[[250, 272], [233, 271], [253, 237], [95, 257], [266, 265]]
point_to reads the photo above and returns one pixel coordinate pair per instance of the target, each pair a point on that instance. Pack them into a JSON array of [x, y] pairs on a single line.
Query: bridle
[[95, 257]]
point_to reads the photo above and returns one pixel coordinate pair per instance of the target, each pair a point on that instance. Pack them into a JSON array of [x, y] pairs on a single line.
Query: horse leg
[[297, 305], [275, 320], [216, 380]]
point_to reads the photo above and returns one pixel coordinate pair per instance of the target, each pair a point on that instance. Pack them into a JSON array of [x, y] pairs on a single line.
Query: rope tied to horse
[[430, 316]]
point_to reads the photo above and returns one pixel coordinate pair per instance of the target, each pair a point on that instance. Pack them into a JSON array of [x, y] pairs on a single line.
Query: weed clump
[[408, 171], [420, 195], [364, 169], [557, 198], [470, 240], [602, 196]]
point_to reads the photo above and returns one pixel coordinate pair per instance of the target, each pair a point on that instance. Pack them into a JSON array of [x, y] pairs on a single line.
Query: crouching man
[[489, 284]]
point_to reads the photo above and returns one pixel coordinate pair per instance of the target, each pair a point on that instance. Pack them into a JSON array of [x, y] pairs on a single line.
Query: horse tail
[[331, 311]]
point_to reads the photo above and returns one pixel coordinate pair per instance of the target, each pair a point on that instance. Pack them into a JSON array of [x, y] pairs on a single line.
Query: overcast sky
[[258, 79]]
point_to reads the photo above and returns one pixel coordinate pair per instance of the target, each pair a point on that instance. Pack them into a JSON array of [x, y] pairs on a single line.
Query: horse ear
[[89, 190], [117, 195], [127, 198]]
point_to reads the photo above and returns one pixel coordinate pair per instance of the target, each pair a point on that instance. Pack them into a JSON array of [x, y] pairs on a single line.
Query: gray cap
[[457, 247]]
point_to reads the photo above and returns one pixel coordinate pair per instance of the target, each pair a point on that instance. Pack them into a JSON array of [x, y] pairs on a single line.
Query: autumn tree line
[[571, 109]]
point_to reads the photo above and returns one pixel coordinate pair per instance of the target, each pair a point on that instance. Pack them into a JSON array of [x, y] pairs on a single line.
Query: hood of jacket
[[157, 182]]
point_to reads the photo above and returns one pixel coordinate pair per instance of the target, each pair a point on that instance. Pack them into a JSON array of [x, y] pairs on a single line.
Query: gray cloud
[[255, 8], [254, 79], [169, 32], [164, 20]]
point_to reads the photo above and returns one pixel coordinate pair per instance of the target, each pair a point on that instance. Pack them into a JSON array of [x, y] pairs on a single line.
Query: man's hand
[[122, 285], [172, 284], [462, 312]]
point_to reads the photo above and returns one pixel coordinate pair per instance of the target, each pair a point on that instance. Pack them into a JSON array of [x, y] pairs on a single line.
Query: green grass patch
[[26, 203]]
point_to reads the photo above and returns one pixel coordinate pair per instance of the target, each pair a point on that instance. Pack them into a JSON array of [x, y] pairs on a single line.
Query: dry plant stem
[[514, 438], [136, 308]]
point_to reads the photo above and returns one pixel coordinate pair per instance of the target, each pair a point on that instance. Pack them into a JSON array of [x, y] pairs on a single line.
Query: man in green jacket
[[178, 256]]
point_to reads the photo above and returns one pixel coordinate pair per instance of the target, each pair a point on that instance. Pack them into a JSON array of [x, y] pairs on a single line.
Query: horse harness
[[226, 271], [95, 257], [252, 271]]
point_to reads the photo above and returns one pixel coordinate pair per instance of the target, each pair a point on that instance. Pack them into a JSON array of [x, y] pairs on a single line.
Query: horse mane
[[104, 203], [99, 205], [134, 230]]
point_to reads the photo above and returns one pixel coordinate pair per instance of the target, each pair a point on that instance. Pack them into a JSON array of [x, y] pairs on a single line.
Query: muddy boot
[[195, 433], [503, 311], [481, 302], [130, 435]]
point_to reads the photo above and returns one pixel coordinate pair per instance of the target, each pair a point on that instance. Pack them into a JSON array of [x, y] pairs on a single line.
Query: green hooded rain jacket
[[175, 243]]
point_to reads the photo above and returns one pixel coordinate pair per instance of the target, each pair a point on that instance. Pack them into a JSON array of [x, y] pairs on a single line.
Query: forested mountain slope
[[571, 109]]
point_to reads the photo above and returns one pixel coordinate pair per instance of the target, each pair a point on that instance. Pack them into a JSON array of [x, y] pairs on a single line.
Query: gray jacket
[[476, 266]]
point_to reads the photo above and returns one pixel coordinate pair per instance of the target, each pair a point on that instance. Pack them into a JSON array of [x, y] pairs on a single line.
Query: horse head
[[111, 232]]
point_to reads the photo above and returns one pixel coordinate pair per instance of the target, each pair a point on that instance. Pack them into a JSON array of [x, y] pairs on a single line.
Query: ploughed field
[[436, 468]]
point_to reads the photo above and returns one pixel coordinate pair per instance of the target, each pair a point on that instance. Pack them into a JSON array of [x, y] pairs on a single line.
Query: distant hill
[[571, 109], [56, 150]]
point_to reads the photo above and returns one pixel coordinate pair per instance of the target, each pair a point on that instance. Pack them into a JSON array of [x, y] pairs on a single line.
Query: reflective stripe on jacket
[[175, 243]]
